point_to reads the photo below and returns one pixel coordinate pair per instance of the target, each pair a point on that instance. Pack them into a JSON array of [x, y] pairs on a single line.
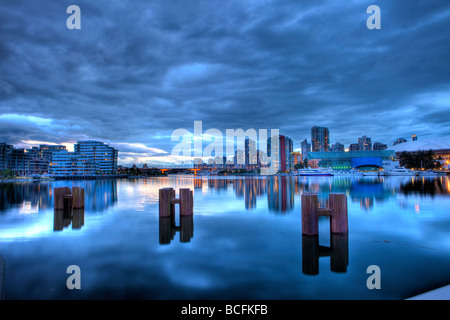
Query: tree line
[[425, 160]]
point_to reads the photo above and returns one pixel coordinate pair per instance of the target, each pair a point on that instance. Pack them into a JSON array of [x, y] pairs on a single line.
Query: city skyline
[[132, 75]]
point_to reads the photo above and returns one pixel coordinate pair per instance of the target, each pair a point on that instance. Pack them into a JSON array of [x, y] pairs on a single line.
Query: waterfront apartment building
[[5, 156], [320, 139], [100, 153], [89, 158]]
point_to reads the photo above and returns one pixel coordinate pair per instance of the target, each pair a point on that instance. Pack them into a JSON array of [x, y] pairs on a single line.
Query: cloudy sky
[[138, 70]]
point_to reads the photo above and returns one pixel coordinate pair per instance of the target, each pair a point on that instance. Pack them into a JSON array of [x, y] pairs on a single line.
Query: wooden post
[[185, 202], [165, 196], [68, 205], [78, 197], [339, 217], [58, 197], [310, 216]]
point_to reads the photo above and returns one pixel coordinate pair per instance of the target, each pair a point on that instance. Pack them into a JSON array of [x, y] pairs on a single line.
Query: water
[[244, 241]]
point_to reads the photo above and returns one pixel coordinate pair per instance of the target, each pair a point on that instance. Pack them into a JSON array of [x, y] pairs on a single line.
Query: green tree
[[298, 166]]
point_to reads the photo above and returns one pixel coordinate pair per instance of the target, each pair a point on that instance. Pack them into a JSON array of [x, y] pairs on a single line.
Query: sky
[[138, 70]]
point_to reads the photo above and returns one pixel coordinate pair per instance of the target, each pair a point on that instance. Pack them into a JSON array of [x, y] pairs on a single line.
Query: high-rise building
[[306, 147], [284, 150], [365, 143], [320, 139], [379, 146], [354, 147], [337, 147], [251, 156]]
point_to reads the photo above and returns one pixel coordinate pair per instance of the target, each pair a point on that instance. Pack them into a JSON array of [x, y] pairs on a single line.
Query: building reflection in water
[[280, 194], [312, 251], [100, 194], [168, 229]]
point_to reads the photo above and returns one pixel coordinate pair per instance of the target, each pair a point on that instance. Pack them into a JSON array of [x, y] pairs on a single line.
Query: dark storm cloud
[[138, 70]]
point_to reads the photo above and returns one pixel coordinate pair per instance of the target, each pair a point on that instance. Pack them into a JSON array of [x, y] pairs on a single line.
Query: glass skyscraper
[[320, 139]]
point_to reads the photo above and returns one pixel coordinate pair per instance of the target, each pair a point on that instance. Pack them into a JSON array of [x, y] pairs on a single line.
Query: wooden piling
[[310, 217], [58, 197], [339, 216], [165, 196], [78, 197], [68, 205], [186, 202]]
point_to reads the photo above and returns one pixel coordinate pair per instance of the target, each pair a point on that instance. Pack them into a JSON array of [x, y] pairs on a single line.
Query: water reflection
[[62, 219], [100, 194], [278, 192], [168, 229], [312, 251]]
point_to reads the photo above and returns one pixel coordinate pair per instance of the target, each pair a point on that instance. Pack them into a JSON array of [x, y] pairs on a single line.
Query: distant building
[[354, 147], [66, 163], [5, 156], [88, 158], [285, 149], [362, 160], [100, 153], [365, 143], [296, 158], [320, 139], [305, 147], [399, 140], [379, 146], [337, 147], [250, 154], [439, 146], [414, 137]]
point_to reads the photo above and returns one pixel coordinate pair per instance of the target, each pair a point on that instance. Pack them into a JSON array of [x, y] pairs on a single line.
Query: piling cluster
[[167, 225], [311, 250], [68, 207]]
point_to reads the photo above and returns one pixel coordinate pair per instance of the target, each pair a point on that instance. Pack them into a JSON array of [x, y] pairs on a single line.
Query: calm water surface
[[244, 241]]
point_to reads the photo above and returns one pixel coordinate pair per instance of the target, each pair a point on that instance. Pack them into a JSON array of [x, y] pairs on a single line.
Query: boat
[[428, 173], [313, 172], [352, 172], [400, 172]]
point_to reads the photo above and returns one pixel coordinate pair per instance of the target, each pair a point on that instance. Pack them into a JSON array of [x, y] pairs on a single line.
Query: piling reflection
[[168, 229], [312, 251], [2, 278], [64, 218]]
